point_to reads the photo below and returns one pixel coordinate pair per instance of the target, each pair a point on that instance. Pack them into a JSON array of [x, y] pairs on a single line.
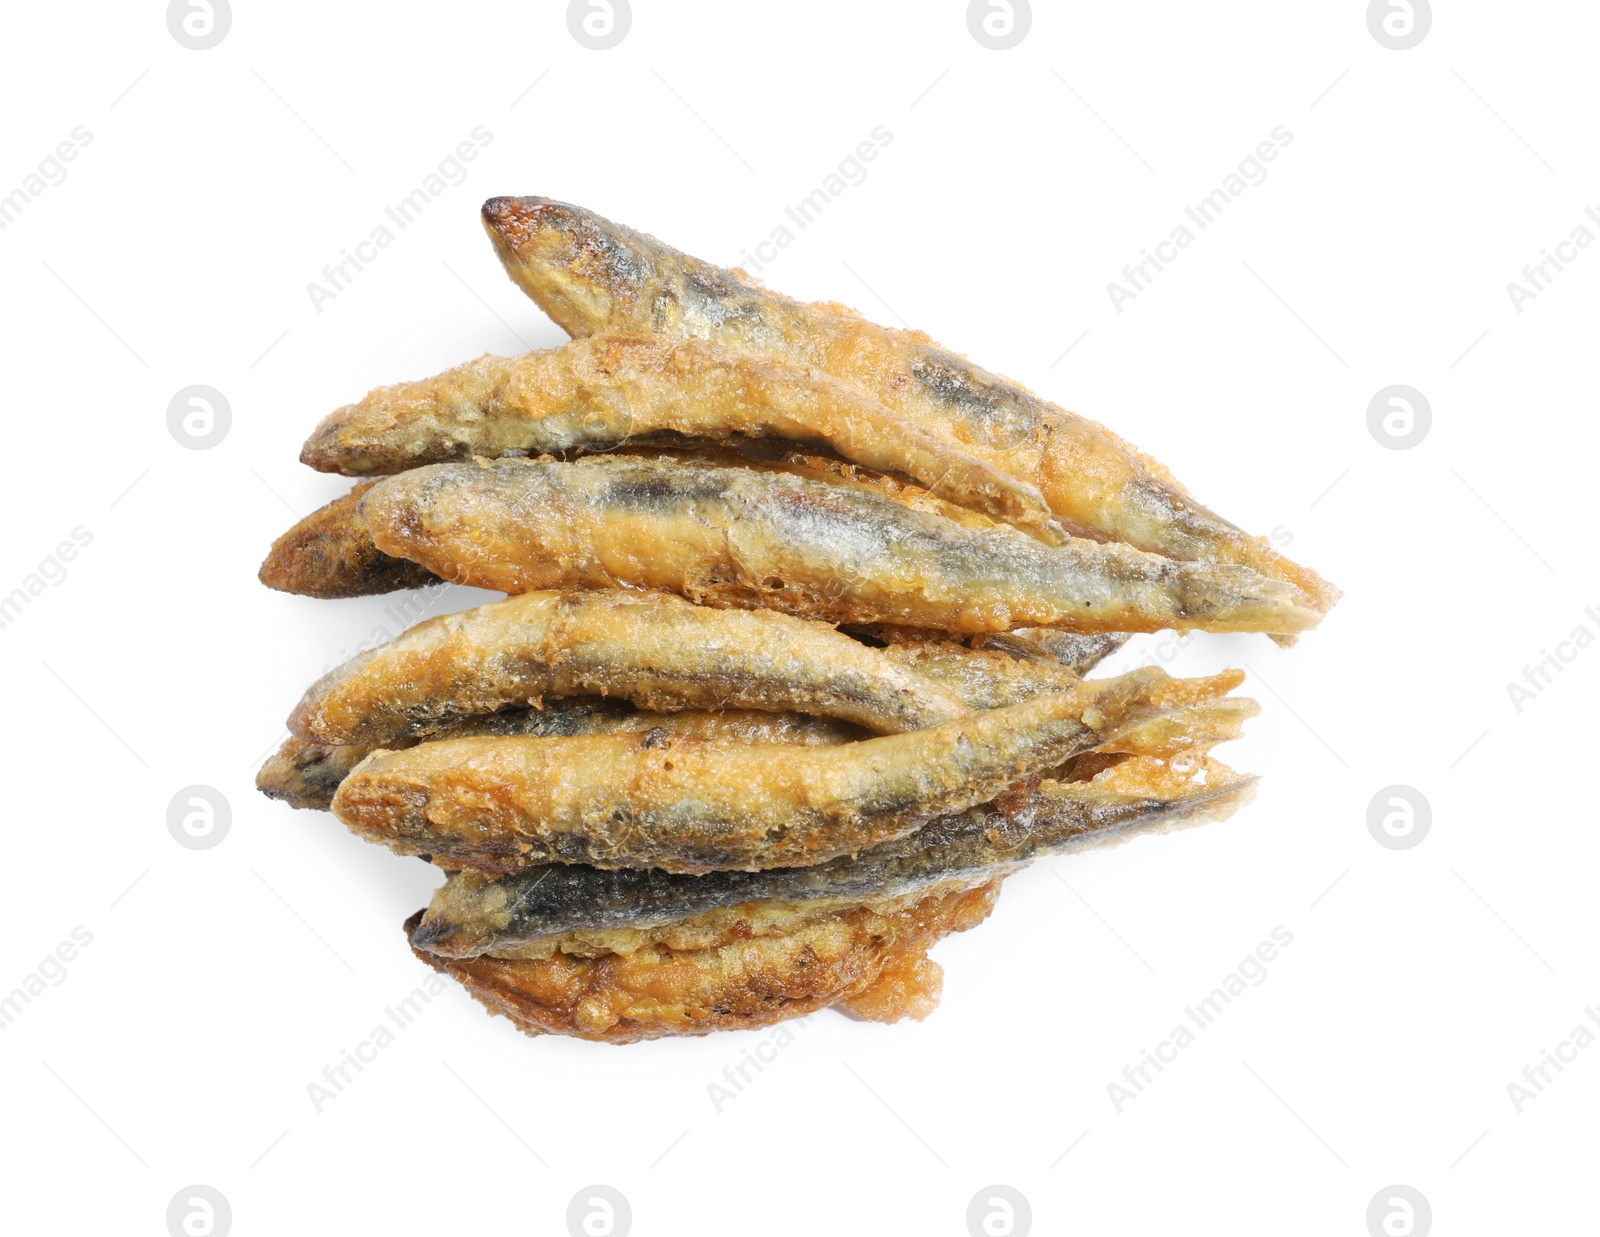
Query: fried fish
[[584, 910], [609, 389], [875, 965], [749, 537], [592, 275], [654, 649], [306, 775], [689, 805]]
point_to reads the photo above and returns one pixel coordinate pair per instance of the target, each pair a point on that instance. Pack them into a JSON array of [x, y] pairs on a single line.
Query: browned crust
[[875, 964], [331, 554]]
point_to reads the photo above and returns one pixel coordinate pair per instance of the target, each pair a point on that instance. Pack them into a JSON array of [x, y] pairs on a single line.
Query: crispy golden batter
[[306, 775], [876, 965], [590, 275], [688, 805], [657, 650], [753, 537], [330, 554], [600, 392]]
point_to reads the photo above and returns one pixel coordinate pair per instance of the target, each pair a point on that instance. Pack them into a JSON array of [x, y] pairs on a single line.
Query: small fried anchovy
[[530, 913], [306, 775], [747, 537], [596, 393], [655, 649], [330, 554], [873, 964], [590, 275], [684, 805]]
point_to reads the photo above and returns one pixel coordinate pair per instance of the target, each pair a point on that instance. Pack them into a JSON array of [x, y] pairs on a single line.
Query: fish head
[[586, 272]]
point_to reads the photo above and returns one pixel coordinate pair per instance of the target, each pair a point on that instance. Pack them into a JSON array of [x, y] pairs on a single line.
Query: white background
[[1419, 984]]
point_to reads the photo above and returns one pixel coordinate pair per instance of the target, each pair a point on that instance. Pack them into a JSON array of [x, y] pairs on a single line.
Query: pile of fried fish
[[792, 668]]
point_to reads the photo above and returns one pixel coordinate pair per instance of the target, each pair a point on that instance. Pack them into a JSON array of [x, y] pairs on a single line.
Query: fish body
[[654, 649], [307, 775], [609, 389], [590, 274], [872, 963], [583, 909], [686, 805], [750, 537]]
